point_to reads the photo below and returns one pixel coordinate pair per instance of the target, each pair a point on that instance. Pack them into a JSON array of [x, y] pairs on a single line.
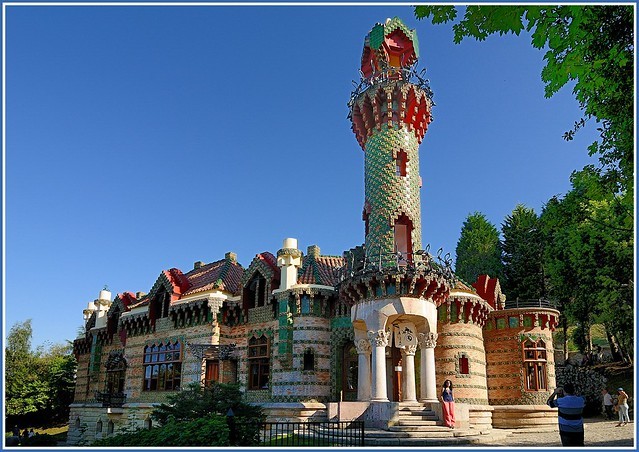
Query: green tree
[[589, 259], [197, 401], [522, 255], [592, 46], [40, 384], [478, 249]]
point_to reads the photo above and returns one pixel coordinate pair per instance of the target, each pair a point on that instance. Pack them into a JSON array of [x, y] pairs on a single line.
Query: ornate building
[[368, 334]]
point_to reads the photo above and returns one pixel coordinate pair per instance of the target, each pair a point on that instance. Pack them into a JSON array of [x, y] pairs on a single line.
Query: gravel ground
[[598, 433]]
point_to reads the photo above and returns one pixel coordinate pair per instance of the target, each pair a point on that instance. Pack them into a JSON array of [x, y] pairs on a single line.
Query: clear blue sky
[[144, 138]]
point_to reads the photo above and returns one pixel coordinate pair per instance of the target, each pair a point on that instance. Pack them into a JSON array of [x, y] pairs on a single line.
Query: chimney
[[197, 265], [289, 258], [231, 256], [313, 250]]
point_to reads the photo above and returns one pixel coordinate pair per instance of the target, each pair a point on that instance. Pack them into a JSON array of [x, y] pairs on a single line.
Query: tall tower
[[389, 117], [395, 288]]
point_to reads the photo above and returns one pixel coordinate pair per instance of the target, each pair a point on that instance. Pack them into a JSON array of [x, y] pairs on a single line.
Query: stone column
[[379, 341], [408, 358], [428, 384], [363, 370]]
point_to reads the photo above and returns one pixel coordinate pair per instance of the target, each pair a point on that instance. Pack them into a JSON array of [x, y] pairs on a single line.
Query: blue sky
[[144, 138]]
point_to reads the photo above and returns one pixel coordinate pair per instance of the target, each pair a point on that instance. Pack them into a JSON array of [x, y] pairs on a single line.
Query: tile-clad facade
[[283, 327]]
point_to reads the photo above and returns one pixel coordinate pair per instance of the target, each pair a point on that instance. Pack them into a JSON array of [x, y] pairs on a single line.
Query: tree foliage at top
[[522, 255], [478, 249], [588, 233], [589, 256], [591, 45], [39, 385]]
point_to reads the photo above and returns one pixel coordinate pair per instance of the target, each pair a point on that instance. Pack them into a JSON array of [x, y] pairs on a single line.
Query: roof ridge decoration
[[173, 280], [266, 264], [389, 45]]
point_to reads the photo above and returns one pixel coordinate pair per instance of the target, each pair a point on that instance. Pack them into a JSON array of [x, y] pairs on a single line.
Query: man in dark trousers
[[570, 415]]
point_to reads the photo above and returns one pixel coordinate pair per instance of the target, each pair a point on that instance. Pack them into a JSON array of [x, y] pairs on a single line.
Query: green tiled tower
[[389, 117]]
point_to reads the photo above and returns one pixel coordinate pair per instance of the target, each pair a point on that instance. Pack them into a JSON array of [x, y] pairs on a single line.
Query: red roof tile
[[319, 270], [222, 275]]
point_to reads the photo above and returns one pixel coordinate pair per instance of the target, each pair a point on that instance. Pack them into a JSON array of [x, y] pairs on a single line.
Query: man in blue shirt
[[570, 415]]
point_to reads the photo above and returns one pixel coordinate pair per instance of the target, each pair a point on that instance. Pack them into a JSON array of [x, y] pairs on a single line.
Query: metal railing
[[420, 260], [312, 434], [408, 74], [111, 399], [530, 303]]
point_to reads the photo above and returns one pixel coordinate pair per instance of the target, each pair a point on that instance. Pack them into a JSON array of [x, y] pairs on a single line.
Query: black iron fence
[[313, 434]]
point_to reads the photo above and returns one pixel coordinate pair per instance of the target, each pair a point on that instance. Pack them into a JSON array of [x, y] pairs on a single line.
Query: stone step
[[425, 415], [417, 422], [415, 442], [438, 427]]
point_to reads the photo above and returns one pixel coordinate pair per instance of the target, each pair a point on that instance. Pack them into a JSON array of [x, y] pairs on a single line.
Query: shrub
[[211, 430], [196, 401], [40, 440]]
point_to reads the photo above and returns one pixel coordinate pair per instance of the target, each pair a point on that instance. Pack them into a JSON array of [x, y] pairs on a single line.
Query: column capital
[[409, 350], [427, 340], [363, 347], [378, 338]]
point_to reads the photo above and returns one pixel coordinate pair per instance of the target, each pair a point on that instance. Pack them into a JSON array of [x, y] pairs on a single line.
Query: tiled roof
[[319, 270], [223, 275], [266, 264]]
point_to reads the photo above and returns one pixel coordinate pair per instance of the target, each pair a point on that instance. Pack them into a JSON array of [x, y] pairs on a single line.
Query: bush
[[197, 401], [40, 440], [588, 384], [211, 430]]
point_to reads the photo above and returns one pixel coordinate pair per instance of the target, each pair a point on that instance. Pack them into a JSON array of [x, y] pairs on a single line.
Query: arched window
[[162, 367], [309, 360], [148, 423], [350, 370], [254, 294], [98, 426], [110, 428], [534, 353], [258, 363], [403, 239], [77, 423]]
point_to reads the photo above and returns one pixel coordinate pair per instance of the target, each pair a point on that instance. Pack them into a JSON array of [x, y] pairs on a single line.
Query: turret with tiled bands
[[389, 117]]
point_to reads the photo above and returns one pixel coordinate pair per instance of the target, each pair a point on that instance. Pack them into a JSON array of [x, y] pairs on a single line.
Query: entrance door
[[393, 372], [349, 373]]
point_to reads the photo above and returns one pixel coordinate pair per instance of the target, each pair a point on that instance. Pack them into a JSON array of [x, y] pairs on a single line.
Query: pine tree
[[478, 249], [522, 255]]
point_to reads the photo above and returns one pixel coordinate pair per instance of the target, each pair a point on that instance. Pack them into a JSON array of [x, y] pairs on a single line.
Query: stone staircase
[[419, 425]]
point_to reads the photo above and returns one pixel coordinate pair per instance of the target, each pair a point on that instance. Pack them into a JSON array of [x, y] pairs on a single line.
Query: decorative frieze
[[427, 340], [379, 338]]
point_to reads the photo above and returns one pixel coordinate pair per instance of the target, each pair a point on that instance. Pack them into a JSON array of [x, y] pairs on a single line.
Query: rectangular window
[[259, 370], [534, 354], [212, 371], [162, 367]]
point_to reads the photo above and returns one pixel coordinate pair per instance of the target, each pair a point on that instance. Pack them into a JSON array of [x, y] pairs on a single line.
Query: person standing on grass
[[607, 404], [622, 404], [448, 404], [570, 414]]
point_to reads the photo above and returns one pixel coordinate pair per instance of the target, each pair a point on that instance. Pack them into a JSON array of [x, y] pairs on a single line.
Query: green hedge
[[211, 430]]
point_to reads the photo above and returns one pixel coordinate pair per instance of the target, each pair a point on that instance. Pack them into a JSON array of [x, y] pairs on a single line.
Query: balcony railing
[[530, 303], [111, 399], [420, 261]]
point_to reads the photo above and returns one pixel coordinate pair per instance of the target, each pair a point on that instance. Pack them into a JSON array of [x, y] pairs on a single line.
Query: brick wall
[[455, 340], [504, 357]]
